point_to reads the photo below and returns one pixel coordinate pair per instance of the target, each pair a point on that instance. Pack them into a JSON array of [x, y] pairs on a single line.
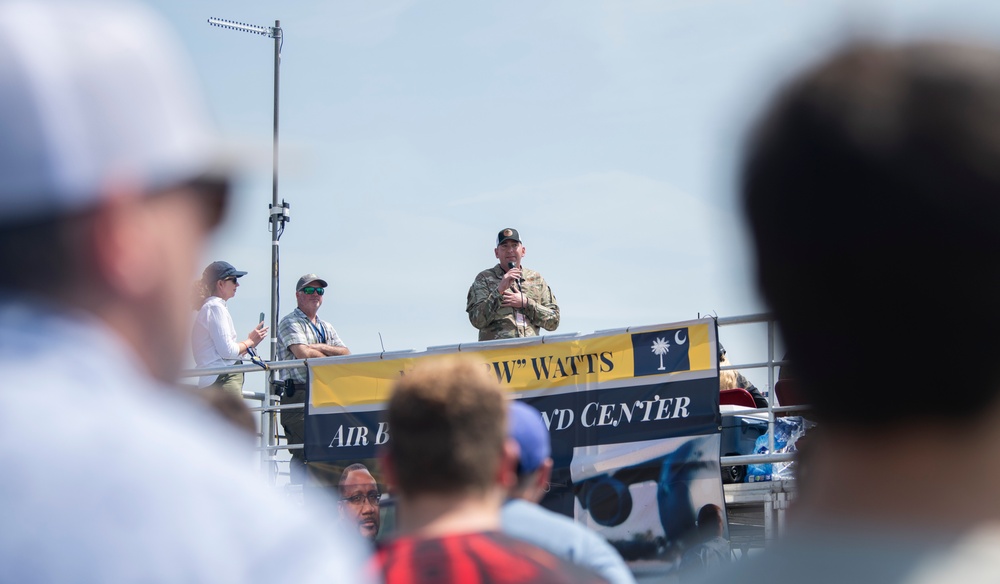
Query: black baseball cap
[[506, 234], [219, 270]]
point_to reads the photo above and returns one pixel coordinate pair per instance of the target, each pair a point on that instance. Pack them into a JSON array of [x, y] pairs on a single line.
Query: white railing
[[771, 361], [269, 403]]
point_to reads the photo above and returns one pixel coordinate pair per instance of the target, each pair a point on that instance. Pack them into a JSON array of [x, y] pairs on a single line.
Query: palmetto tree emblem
[[661, 347]]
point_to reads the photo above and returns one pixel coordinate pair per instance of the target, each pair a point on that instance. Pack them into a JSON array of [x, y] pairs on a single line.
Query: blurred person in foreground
[[360, 500], [874, 181], [112, 182], [524, 518], [450, 466]]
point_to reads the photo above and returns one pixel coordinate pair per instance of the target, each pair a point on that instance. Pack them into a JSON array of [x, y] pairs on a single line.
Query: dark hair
[[448, 421], [872, 189], [709, 521]]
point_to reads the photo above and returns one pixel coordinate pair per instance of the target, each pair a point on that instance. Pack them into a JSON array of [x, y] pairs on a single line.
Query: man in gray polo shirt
[[303, 335]]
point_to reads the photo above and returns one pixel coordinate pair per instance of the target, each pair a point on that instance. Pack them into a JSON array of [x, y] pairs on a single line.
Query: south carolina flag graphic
[[659, 352]]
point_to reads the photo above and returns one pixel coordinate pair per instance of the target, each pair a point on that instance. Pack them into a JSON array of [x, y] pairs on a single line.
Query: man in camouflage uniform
[[505, 302]]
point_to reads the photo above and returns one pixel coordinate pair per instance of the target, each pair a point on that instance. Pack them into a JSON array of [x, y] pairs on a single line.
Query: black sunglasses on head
[[313, 289]]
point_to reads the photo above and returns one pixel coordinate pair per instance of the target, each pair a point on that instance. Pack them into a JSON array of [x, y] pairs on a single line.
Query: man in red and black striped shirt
[[450, 465]]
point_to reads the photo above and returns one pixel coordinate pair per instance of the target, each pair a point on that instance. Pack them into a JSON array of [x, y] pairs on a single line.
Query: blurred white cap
[[92, 92]]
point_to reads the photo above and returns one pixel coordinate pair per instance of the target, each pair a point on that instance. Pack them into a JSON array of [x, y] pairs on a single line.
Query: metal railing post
[[770, 386]]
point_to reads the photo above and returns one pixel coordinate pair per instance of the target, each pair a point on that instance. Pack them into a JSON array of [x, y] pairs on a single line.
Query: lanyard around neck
[[319, 332]]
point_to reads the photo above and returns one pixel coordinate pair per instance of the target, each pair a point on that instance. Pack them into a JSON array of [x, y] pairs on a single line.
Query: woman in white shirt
[[213, 339]]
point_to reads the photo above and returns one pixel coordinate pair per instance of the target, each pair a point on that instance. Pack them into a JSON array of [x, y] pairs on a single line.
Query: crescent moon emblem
[[677, 338]]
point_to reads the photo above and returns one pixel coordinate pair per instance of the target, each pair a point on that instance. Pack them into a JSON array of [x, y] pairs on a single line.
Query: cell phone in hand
[[261, 317]]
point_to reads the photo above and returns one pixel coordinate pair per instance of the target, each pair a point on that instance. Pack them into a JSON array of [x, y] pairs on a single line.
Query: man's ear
[[496, 252], [544, 475], [507, 471], [540, 484]]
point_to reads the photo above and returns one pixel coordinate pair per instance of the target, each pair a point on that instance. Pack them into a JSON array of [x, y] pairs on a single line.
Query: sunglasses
[[230, 279], [312, 289]]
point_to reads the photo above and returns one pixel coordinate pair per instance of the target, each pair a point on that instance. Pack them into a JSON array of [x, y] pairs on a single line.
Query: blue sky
[[607, 132]]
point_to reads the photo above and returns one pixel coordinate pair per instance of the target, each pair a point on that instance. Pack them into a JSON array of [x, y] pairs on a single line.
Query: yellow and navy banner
[[634, 384]]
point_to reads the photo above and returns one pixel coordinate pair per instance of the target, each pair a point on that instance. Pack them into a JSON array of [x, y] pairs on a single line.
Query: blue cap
[[218, 270], [525, 424]]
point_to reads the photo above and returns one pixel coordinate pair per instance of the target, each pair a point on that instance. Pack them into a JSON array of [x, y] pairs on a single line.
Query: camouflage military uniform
[[500, 322]]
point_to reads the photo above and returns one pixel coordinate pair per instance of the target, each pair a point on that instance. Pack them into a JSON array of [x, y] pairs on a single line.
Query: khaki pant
[[230, 383]]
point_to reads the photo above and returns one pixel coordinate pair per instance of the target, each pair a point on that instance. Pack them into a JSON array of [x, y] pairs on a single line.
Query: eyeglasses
[[312, 289], [373, 497], [230, 279]]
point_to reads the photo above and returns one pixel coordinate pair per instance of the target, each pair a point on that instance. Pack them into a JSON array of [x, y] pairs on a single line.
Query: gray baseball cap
[[92, 92], [305, 280]]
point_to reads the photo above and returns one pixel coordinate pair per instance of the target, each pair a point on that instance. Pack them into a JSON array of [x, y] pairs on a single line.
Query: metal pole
[[275, 205], [267, 455], [278, 216]]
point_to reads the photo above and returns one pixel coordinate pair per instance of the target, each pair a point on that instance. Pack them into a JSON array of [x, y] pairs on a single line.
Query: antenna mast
[[278, 215]]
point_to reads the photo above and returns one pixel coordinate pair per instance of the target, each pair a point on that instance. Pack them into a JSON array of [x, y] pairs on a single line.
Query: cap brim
[[235, 158], [227, 160]]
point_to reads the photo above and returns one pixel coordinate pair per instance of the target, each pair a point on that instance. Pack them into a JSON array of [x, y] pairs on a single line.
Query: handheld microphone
[[520, 290], [511, 266]]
